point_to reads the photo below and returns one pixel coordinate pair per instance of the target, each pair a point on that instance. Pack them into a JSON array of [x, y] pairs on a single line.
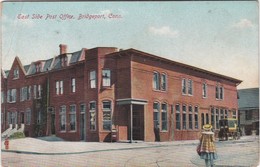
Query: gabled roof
[[148, 55], [248, 98]]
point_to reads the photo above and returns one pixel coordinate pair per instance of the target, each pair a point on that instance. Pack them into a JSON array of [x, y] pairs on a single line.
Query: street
[[243, 152]]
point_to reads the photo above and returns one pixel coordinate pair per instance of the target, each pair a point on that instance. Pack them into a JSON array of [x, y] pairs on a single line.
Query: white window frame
[[156, 111], [73, 85], [92, 116], [2, 97], [190, 87], [92, 79], [62, 114], [156, 80], [16, 73], [178, 121], [28, 113], [11, 96], [59, 87], [183, 86], [163, 82], [106, 78], [204, 90], [109, 111], [73, 115], [164, 111]]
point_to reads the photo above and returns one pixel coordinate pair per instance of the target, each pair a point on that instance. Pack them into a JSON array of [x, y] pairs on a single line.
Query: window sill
[[15, 78], [72, 131], [63, 131], [12, 102], [164, 131]]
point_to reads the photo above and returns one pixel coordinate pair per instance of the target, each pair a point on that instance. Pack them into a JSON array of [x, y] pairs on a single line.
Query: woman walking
[[207, 146]]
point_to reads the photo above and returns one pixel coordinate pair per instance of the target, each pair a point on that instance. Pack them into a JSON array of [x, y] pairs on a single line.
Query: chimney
[[63, 48]]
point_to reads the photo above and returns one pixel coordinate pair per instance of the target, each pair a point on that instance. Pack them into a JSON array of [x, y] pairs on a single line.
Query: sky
[[219, 36]]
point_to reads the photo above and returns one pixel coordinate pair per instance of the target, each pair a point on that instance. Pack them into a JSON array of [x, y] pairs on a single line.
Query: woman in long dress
[[207, 146]]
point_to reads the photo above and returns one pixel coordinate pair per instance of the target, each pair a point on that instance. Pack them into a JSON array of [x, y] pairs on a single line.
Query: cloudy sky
[[221, 37]]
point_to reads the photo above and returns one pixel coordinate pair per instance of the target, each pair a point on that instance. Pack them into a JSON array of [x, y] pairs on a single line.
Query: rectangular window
[[39, 116], [63, 118], [190, 117], [163, 82], [73, 117], [2, 118], [184, 117], [73, 85], [37, 91], [204, 90], [106, 77], [16, 73], [178, 119], [226, 114], [92, 79], [59, 87], [11, 95], [183, 86], [25, 93], [156, 115], [28, 116], [219, 92], [217, 118], [234, 114], [156, 81], [92, 111], [207, 118], [164, 117], [2, 97], [107, 115], [196, 117], [190, 89], [202, 120], [212, 118], [222, 114]]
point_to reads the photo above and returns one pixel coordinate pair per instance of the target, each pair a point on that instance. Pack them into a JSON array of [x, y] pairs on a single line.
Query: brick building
[[84, 95]]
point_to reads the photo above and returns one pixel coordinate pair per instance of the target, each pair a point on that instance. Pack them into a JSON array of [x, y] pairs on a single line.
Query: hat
[[207, 127]]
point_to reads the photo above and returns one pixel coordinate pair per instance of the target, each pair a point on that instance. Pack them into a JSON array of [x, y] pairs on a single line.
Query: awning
[[131, 101]]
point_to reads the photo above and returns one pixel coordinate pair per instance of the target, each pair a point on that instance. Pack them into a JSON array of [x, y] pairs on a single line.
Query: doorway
[[138, 122], [82, 126], [53, 123]]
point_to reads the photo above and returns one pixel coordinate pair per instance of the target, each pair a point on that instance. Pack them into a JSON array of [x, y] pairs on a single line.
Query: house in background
[[84, 95], [248, 104]]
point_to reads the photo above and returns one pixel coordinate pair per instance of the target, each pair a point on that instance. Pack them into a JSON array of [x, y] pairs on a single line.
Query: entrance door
[[138, 123], [52, 123], [82, 126]]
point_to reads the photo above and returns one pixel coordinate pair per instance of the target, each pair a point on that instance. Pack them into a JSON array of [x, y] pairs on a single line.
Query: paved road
[[244, 152]]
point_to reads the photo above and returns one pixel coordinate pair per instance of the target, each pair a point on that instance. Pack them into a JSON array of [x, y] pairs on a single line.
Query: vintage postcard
[[143, 83]]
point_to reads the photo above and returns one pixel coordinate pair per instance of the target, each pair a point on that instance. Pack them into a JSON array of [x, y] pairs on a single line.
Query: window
[[164, 116], [2, 97], [106, 77], [183, 86], [163, 82], [22, 117], [219, 92], [221, 114], [92, 114], [92, 79], [212, 118], [156, 77], [2, 118], [63, 118], [16, 73], [226, 114], [156, 114], [183, 116], [190, 90], [204, 90], [38, 67], [28, 116], [190, 117], [202, 120], [25, 93], [37, 91], [107, 115], [217, 118], [11, 95], [207, 118], [63, 61], [59, 87], [234, 114], [72, 116], [73, 85], [39, 116], [178, 119], [196, 118]]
